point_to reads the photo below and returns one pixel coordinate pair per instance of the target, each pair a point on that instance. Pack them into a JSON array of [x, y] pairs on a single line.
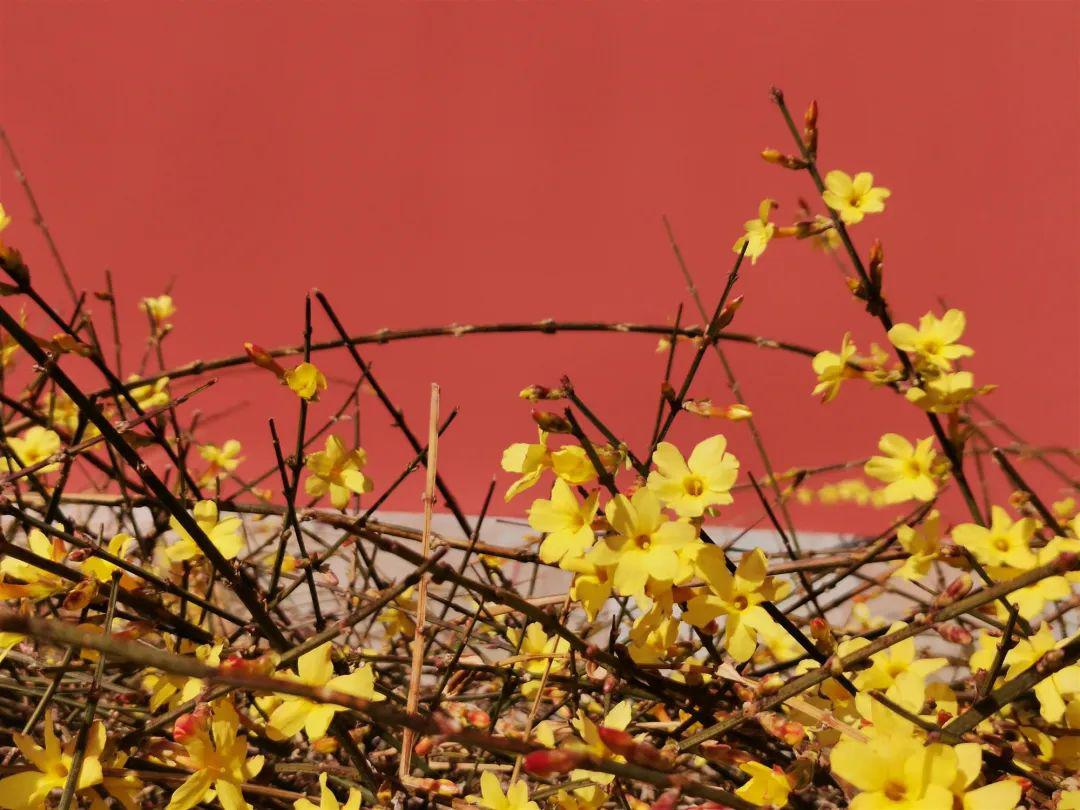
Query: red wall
[[476, 162]]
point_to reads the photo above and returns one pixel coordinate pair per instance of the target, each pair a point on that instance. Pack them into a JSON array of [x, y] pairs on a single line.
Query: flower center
[[643, 541], [741, 602], [912, 468], [693, 485], [895, 791], [1001, 543]]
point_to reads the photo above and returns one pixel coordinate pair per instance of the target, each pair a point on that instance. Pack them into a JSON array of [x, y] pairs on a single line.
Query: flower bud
[[553, 761], [534, 393], [551, 422], [737, 412], [640, 753], [954, 633], [876, 265], [478, 718], [744, 692], [727, 314], [822, 635], [325, 745], [722, 752], [1050, 662], [788, 731], [957, 589], [770, 684], [424, 746], [260, 357], [64, 343]]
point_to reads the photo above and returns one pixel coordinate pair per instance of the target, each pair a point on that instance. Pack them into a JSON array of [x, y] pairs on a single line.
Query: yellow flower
[[306, 381], [223, 534], [218, 759], [222, 459], [152, 395], [5, 219], [527, 460], [327, 800], [853, 199], [592, 797], [1065, 509], [758, 232], [160, 308], [397, 619], [101, 570], [8, 348], [781, 646], [653, 634], [1003, 795], [897, 670], [877, 369], [907, 470], [29, 788], [591, 587], [337, 471], [1050, 691], [986, 649], [36, 583], [691, 486], [934, 341], [1004, 543], [570, 463], [1032, 599], [175, 690], [314, 668], [894, 770], [923, 543], [515, 798], [618, 718], [739, 596], [645, 546], [64, 413], [567, 523], [36, 444], [768, 787], [946, 393], [832, 369], [536, 648]]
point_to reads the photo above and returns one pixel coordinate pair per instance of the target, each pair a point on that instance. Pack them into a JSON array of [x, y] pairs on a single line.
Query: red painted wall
[[477, 162]]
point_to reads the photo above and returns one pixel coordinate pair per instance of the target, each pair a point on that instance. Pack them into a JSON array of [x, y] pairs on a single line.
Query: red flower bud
[[260, 357], [424, 746], [954, 633], [553, 761], [478, 718]]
